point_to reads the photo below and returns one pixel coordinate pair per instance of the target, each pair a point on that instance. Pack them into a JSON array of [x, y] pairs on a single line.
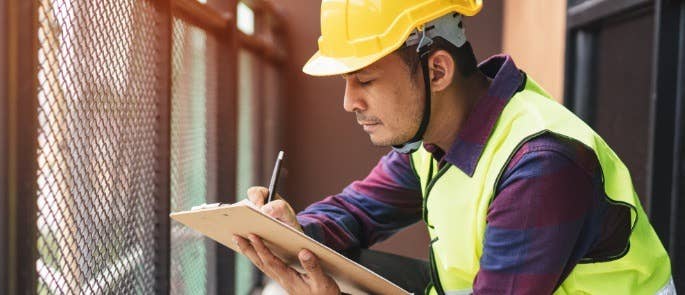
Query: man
[[518, 194]]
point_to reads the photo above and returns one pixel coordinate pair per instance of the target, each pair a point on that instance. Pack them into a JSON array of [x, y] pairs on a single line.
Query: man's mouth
[[369, 126]]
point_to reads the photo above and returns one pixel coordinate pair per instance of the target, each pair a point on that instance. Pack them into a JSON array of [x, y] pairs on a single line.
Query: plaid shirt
[[549, 209]]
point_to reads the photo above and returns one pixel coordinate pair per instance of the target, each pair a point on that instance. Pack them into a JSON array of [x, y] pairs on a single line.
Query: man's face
[[387, 100]]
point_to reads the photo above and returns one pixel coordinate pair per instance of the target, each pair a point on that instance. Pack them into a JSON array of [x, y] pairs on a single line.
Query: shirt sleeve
[[543, 219], [367, 211]]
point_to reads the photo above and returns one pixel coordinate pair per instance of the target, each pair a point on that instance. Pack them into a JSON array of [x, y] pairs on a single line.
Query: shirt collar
[[467, 148]]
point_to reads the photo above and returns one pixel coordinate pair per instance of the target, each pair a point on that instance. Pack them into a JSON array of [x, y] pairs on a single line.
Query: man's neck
[[452, 107]]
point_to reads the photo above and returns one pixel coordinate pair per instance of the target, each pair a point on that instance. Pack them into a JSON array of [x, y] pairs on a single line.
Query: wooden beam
[[589, 12], [268, 7], [22, 127], [162, 190], [4, 139], [201, 15], [262, 47]]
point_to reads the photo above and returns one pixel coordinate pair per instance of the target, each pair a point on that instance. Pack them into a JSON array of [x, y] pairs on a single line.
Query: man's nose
[[353, 100]]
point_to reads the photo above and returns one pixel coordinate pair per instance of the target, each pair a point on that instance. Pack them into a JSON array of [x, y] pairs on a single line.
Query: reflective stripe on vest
[[669, 289], [455, 205]]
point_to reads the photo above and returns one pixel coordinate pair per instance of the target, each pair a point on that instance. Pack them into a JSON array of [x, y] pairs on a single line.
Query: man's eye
[[365, 83]]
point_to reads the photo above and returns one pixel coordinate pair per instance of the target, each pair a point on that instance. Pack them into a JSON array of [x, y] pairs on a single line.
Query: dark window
[[624, 71]]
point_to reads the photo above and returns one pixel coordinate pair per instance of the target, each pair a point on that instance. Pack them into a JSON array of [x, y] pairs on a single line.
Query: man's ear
[[441, 67]]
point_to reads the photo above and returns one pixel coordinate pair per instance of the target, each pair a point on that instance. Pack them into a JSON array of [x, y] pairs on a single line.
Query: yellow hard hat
[[357, 33]]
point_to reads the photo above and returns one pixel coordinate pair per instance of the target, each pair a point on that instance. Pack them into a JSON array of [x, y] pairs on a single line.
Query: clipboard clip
[[205, 206]]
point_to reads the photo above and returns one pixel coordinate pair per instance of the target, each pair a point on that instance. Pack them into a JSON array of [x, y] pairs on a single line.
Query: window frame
[[666, 130]]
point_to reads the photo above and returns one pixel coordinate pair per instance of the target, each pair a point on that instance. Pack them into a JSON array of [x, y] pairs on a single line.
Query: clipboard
[[221, 222]]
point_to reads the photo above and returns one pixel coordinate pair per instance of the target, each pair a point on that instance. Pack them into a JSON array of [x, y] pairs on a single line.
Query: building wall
[[534, 35]]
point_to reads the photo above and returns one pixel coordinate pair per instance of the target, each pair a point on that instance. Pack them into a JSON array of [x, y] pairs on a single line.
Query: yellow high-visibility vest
[[456, 205]]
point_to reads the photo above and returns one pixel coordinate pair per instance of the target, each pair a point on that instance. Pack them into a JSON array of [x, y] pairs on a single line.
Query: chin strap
[[424, 50], [450, 29]]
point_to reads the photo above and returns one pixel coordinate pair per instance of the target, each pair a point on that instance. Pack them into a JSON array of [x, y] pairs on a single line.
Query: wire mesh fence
[[124, 114], [193, 154], [98, 124]]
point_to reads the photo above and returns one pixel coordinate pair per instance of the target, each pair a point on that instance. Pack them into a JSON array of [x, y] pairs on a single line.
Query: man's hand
[[313, 281], [277, 208]]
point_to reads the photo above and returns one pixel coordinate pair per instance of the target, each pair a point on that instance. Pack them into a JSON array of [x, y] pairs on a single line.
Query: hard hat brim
[[321, 65]]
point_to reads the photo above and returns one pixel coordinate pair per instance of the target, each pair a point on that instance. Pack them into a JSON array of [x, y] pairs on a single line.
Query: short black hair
[[463, 56]]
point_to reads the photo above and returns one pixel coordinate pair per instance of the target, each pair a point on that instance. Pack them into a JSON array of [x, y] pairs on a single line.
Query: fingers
[[247, 250], [318, 281], [258, 195], [277, 209], [265, 254], [311, 265], [273, 265], [314, 281], [253, 248], [282, 211]]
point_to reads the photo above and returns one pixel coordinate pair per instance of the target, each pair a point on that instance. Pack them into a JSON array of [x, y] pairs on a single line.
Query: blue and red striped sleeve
[[367, 211], [546, 215]]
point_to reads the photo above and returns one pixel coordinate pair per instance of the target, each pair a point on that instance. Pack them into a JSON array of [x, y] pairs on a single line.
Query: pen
[[274, 176]]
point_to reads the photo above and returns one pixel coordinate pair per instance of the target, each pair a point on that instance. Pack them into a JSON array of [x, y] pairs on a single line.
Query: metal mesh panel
[[98, 88], [193, 154]]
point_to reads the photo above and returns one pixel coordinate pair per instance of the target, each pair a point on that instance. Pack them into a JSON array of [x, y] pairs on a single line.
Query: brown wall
[[326, 150], [534, 35]]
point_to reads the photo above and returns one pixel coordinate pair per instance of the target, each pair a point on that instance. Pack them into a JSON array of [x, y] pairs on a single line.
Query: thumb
[[257, 195], [311, 266], [275, 209]]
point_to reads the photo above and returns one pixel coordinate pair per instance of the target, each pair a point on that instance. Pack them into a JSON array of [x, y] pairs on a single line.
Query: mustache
[[366, 118]]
